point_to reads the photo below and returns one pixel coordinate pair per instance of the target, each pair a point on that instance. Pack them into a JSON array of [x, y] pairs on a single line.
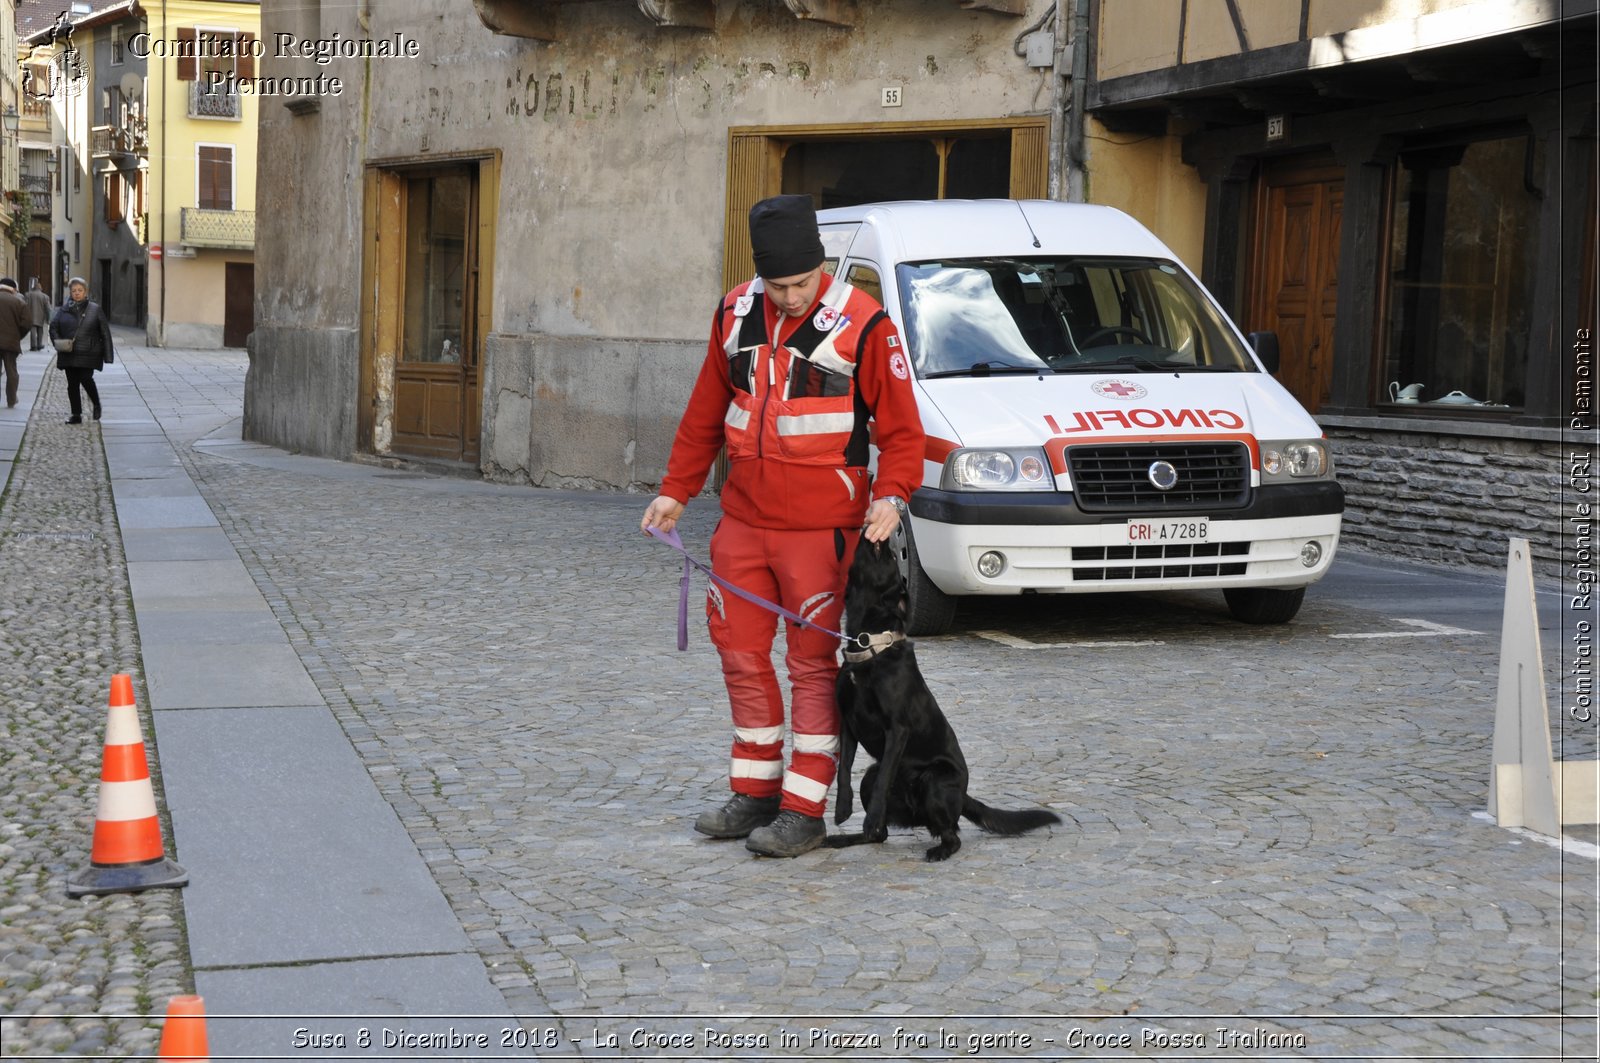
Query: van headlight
[[1295, 459], [987, 469]]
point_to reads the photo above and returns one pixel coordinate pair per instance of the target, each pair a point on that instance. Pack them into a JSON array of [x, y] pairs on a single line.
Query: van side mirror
[[1265, 344]]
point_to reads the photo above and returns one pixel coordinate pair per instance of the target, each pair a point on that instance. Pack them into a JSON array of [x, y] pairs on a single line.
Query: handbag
[[63, 344]]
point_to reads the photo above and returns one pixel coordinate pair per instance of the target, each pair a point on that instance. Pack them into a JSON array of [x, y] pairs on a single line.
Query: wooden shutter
[[216, 177], [188, 51], [750, 165], [1030, 161], [247, 56], [113, 199]]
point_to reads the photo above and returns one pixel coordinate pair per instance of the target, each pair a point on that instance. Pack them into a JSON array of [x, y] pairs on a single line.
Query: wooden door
[[436, 405], [1294, 270], [238, 303], [36, 262]]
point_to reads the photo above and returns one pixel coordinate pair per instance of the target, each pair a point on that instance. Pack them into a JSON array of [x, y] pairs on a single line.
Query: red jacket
[[797, 427]]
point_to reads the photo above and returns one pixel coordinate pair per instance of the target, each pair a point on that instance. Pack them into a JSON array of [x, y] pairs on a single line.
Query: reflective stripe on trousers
[[799, 570]]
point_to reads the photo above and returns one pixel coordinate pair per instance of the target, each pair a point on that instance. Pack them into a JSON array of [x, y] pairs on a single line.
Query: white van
[[1095, 422]]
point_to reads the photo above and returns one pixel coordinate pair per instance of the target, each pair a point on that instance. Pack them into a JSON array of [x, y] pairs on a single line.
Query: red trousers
[[803, 571]]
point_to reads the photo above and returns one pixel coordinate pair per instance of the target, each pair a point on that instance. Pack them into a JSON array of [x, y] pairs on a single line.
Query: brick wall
[[1454, 500]]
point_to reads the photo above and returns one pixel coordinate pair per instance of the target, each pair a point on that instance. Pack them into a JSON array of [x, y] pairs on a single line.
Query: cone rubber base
[[127, 878]]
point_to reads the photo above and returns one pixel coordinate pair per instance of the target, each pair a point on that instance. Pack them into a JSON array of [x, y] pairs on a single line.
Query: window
[[211, 58], [214, 165], [866, 279], [116, 45], [1462, 243]]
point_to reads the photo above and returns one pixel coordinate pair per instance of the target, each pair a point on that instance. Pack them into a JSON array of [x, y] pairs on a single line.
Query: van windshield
[[983, 316]]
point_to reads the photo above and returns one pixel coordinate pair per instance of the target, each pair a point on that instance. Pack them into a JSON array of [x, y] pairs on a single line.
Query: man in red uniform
[[797, 365]]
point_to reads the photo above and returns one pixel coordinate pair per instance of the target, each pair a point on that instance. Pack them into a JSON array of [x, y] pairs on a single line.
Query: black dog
[[920, 778]]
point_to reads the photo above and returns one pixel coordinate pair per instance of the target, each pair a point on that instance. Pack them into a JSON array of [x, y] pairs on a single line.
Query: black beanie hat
[[783, 236]]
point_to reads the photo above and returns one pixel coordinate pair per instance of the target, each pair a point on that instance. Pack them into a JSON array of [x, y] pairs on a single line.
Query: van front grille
[[1117, 478], [1176, 561]]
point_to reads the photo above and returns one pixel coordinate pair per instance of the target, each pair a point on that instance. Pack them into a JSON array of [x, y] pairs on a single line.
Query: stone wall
[[1450, 499], [285, 395], [575, 412]]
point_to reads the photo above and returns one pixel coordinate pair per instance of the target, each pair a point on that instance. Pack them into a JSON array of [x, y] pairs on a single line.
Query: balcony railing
[[201, 227], [205, 103], [108, 140], [38, 188]]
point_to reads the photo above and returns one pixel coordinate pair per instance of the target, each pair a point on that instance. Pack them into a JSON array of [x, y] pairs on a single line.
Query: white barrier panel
[[1528, 787]]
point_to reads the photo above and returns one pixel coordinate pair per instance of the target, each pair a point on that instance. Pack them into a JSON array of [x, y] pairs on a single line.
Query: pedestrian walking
[[39, 306], [82, 336], [797, 364], [15, 322]]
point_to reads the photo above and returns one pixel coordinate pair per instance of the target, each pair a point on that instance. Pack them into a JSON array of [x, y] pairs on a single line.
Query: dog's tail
[[1002, 821]]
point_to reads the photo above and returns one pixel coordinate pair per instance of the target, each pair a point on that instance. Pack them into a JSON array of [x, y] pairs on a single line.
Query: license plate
[[1171, 530]]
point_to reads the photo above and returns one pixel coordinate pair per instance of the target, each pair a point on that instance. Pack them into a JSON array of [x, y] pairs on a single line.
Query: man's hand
[[663, 513], [883, 517]]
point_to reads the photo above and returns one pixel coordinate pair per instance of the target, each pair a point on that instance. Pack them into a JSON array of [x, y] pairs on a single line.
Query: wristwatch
[[894, 500]]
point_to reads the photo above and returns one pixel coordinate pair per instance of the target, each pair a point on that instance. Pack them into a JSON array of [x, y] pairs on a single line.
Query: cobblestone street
[[1272, 842]]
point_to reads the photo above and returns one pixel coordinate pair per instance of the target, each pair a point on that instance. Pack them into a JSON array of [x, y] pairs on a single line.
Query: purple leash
[[689, 564]]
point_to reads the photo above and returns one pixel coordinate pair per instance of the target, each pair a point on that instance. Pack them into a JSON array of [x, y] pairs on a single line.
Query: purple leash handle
[[672, 540]]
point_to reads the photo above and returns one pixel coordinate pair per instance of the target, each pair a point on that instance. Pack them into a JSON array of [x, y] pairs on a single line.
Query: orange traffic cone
[[126, 856], [184, 1035]]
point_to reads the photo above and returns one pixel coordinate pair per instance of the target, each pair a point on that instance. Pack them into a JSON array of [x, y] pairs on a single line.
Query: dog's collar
[[869, 646]]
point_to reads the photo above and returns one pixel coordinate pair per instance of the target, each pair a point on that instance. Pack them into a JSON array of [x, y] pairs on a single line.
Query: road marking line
[[1023, 644], [1430, 630], [1564, 843]]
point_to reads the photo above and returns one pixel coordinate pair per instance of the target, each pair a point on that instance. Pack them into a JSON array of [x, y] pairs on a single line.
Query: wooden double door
[[1294, 269]]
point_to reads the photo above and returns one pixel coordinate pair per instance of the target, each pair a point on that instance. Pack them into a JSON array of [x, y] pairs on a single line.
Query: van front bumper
[[1049, 545]]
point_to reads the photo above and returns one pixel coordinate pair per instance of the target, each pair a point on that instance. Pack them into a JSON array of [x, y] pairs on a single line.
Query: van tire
[[1264, 605], [929, 611]]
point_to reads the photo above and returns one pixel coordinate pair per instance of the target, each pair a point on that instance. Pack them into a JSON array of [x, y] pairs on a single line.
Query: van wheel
[[929, 611], [1264, 605]]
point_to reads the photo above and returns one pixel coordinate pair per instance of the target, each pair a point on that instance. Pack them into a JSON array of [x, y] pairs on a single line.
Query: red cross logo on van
[[1120, 389]]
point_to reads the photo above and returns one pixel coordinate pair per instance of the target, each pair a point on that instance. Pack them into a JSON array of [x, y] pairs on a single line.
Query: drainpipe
[[1058, 106], [1077, 160]]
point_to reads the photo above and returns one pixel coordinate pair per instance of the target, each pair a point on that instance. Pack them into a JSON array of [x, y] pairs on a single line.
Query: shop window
[[841, 173], [1460, 278], [843, 165]]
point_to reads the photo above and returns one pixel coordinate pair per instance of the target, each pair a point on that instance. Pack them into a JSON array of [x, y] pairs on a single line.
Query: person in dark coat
[[14, 324], [86, 325], [39, 305]]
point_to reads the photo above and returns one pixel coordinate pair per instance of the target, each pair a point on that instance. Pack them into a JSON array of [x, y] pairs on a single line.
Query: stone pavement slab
[[303, 861], [452, 984], [177, 544]]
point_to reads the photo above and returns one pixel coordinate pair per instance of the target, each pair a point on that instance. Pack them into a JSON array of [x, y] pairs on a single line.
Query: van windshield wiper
[[987, 369]]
